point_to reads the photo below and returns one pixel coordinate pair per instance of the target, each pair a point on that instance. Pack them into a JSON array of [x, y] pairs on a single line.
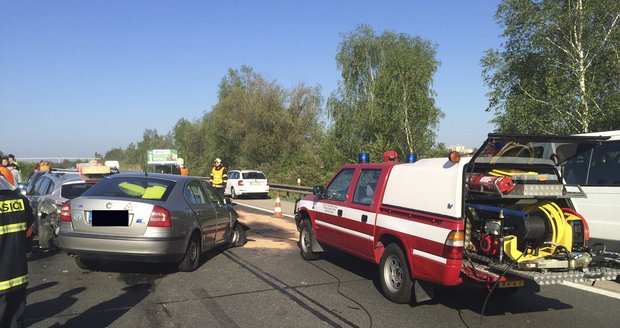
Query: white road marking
[[591, 289]]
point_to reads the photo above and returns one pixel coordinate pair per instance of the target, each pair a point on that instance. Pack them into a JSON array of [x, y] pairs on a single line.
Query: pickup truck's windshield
[[339, 187]]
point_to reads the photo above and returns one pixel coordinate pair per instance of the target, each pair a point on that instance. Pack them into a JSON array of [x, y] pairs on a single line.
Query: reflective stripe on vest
[[10, 228], [4, 285]]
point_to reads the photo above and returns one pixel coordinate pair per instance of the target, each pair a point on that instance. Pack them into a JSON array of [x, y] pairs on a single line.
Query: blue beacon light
[[411, 158], [363, 158]]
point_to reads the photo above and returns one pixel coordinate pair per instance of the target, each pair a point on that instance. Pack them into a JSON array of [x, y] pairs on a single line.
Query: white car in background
[[246, 182], [597, 171]]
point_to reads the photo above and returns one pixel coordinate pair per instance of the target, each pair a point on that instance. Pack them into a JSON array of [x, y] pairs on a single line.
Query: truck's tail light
[[160, 217], [453, 247], [65, 211]]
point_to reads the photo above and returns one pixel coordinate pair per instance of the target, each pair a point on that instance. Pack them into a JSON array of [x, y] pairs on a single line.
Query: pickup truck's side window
[[366, 186], [338, 188]]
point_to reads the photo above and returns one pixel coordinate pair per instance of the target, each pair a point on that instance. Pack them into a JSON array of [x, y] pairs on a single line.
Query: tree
[[385, 100], [257, 124], [560, 69]]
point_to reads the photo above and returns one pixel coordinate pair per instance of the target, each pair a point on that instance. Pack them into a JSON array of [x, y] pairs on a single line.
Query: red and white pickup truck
[[499, 218]]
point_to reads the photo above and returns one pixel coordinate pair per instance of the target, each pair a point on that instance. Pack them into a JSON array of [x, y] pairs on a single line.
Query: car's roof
[[173, 177], [246, 171]]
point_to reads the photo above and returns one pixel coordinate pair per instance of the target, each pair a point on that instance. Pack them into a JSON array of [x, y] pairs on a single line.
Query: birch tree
[[559, 71], [385, 99]]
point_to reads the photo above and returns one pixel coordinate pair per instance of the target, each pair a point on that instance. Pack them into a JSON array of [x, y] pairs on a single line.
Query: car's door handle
[[339, 212], [364, 218]]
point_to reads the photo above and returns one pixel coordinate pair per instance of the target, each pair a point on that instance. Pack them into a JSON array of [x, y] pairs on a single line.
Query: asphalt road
[[267, 284]]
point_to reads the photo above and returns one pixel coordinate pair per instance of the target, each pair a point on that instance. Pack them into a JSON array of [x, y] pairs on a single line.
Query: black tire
[[191, 260], [306, 236], [237, 236], [395, 275], [233, 194], [86, 264]]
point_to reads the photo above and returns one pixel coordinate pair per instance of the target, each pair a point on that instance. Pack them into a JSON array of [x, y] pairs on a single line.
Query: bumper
[[252, 191], [151, 249]]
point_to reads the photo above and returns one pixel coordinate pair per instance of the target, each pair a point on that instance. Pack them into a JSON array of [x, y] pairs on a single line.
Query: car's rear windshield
[[74, 190], [254, 175], [133, 188]]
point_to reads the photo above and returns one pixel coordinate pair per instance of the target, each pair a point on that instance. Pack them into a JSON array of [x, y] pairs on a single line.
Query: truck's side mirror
[[318, 190]]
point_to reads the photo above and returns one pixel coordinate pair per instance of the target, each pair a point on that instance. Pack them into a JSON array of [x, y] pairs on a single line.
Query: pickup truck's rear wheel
[[306, 236], [395, 275]]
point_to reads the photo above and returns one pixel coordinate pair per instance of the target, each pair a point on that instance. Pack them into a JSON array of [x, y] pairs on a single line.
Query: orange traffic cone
[[277, 212]]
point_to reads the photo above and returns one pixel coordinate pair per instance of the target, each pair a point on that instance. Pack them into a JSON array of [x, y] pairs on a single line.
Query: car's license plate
[[109, 218], [511, 283]]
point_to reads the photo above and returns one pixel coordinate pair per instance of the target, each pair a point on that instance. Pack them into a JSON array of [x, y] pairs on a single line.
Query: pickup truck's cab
[[502, 216]]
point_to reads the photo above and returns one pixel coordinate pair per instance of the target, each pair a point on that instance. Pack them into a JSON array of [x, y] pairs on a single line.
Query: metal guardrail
[[303, 190]]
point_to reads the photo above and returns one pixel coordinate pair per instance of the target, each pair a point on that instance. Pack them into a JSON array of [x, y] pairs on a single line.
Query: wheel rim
[[305, 240], [234, 237], [193, 251], [393, 273]]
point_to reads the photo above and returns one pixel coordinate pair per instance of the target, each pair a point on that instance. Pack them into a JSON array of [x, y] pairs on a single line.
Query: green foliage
[[385, 100], [560, 68]]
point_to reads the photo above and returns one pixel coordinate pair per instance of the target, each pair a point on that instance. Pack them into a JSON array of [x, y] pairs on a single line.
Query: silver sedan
[[150, 218]]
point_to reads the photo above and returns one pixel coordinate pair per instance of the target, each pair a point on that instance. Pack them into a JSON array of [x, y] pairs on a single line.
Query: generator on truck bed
[[501, 217]]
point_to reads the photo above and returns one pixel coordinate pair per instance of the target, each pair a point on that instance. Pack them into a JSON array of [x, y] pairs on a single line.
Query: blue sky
[[79, 77]]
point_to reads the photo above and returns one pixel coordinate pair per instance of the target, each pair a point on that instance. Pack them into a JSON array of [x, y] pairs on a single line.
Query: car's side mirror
[[318, 190]]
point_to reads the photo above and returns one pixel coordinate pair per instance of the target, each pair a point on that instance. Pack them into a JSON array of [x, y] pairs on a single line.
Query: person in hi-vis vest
[[219, 176]]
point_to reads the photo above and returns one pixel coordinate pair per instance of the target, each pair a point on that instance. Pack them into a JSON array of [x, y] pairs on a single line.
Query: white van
[[597, 171]]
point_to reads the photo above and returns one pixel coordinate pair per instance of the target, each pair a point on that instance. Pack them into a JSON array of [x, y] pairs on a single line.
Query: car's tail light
[[266, 182], [65, 211], [453, 247], [160, 217], [240, 183]]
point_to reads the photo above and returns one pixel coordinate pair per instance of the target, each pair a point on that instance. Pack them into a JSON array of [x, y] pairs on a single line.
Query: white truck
[[499, 218]]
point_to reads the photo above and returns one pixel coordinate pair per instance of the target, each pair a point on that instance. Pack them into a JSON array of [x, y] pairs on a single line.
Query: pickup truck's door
[[345, 217]]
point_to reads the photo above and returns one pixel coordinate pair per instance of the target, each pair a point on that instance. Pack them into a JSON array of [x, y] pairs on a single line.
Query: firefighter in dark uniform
[[16, 219]]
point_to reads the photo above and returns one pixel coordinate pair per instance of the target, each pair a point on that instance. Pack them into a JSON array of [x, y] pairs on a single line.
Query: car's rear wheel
[[306, 236], [394, 275], [233, 194], [237, 236], [191, 260]]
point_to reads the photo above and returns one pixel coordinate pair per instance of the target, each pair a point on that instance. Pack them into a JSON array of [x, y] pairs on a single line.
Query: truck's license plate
[[511, 283]]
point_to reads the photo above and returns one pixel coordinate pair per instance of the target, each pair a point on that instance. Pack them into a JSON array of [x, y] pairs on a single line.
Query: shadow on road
[[42, 310], [470, 297], [463, 297], [105, 313]]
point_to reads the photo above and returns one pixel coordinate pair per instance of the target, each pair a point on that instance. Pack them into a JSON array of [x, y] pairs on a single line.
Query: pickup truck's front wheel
[[306, 236], [394, 274]]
